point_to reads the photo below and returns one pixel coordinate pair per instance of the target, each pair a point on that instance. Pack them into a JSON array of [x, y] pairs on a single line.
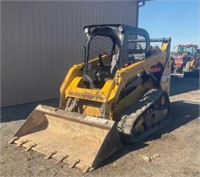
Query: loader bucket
[[79, 140]]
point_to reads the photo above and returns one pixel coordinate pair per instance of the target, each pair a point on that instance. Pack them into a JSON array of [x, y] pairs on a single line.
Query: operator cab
[[188, 49], [109, 48]]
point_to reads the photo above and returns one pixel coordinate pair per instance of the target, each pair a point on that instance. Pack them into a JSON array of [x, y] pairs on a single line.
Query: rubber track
[[131, 115]]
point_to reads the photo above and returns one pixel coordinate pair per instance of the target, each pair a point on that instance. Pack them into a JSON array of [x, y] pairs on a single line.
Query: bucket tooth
[[60, 159], [73, 163], [50, 154], [20, 143], [30, 146], [13, 140], [86, 169]]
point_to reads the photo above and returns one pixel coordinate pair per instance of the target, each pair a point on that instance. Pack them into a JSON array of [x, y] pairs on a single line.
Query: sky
[[178, 19]]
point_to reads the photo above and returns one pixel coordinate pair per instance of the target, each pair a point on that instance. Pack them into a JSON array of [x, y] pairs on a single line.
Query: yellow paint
[[164, 46], [108, 95], [91, 110], [73, 72], [133, 97], [129, 99], [192, 65]]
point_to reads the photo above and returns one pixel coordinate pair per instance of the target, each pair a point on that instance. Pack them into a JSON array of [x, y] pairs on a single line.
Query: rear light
[[179, 61]]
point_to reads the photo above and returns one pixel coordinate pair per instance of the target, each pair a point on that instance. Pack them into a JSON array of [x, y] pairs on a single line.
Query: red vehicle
[[185, 59]]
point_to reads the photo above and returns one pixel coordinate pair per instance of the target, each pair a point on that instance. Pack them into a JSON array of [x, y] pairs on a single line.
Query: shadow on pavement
[[19, 112], [182, 85]]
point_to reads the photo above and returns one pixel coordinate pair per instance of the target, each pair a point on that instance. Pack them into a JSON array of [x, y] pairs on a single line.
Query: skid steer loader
[[120, 91]]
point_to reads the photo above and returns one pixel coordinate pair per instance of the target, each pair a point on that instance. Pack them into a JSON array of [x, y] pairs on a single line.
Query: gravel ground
[[173, 151]]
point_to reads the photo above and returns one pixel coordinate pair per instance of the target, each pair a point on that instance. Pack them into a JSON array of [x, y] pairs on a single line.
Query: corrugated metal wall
[[41, 40]]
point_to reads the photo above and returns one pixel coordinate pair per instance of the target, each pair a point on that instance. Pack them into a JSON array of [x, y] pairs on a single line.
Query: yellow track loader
[[119, 91]]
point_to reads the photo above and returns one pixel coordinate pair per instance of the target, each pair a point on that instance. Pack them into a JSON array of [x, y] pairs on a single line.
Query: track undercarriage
[[150, 114]]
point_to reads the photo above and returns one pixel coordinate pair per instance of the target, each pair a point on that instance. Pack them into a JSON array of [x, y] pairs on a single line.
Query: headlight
[[86, 30], [121, 28]]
